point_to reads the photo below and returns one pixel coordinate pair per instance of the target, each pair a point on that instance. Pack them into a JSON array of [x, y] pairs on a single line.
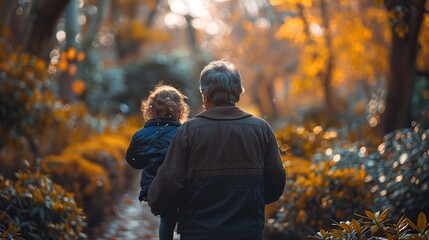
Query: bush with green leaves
[[33, 207]]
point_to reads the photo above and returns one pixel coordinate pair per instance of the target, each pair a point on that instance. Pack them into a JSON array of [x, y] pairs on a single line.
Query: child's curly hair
[[165, 101]]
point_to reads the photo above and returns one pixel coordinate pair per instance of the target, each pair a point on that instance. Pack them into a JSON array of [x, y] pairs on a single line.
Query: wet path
[[131, 220]]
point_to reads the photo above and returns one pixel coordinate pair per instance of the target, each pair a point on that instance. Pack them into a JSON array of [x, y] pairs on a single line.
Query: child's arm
[[170, 178], [133, 155]]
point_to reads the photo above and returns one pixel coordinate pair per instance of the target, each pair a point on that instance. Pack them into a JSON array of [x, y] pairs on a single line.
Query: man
[[222, 166]]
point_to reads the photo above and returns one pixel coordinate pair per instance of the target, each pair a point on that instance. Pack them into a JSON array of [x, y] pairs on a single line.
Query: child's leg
[[167, 225]]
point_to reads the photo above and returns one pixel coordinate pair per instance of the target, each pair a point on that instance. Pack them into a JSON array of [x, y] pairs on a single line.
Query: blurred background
[[344, 83]]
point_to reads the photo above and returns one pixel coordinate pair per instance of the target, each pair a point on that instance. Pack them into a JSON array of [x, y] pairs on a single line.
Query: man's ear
[[205, 98]]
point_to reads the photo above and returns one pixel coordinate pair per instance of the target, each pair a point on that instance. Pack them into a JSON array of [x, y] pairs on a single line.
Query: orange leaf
[[356, 226], [128, 201], [374, 229], [71, 53], [80, 56], [370, 214], [346, 227], [383, 215], [78, 86], [421, 222], [72, 70], [412, 225], [62, 66]]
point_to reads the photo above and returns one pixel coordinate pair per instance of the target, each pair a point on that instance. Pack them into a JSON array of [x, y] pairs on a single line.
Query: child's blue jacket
[[148, 148]]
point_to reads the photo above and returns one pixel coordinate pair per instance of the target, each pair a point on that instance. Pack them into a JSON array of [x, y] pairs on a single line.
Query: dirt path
[[132, 220]]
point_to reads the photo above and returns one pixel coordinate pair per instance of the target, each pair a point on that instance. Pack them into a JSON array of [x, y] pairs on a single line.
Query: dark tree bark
[[41, 24], [192, 36], [402, 69], [72, 29], [327, 75], [95, 24], [254, 89], [301, 15], [151, 16]]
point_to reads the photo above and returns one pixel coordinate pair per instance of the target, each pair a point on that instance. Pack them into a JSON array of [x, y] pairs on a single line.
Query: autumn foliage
[[33, 207], [377, 225], [94, 170]]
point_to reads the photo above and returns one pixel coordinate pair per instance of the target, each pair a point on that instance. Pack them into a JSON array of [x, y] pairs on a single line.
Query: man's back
[[227, 153]]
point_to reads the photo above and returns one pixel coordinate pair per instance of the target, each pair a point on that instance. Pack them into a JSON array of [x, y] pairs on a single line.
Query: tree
[[33, 24], [329, 48], [406, 18]]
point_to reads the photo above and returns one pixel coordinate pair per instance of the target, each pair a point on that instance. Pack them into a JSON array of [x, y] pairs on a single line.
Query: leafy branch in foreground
[[377, 225]]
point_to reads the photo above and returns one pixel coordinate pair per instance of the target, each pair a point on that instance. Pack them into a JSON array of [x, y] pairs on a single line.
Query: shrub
[[94, 170], [33, 207], [399, 172], [108, 151], [310, 139], [88, 181], [319, 193], [377, 225], [303, 141], [32, 119]]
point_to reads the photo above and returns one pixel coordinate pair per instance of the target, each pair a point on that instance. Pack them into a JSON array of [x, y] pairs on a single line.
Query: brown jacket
[[221, 168]]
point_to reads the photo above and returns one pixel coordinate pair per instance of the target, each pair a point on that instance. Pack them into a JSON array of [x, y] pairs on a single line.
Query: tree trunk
[[95, 24], [402, 72], [254, 89], [72, 29], [327, 76], [8, 9], [301, 14], [192, 35], [41, 24], [151, 16]]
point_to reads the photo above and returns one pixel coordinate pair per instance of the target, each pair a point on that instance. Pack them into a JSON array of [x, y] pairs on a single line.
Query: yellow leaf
[[346, 227], [383, 215], [374, 229], [389, 236], [412, 225], [421, 222], [356, 226], [370, 215]]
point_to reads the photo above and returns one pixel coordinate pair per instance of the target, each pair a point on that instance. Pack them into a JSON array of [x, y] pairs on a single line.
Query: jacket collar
[[161, 122], [224, 112]]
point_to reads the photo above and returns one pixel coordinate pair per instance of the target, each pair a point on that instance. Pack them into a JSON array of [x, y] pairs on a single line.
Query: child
[[163, 111]]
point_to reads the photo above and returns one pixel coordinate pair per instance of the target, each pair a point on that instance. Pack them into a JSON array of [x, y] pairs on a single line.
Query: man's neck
[[209, 105]]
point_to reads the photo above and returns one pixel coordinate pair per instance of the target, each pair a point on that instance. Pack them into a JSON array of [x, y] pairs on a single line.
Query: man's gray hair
[[220, 82]]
